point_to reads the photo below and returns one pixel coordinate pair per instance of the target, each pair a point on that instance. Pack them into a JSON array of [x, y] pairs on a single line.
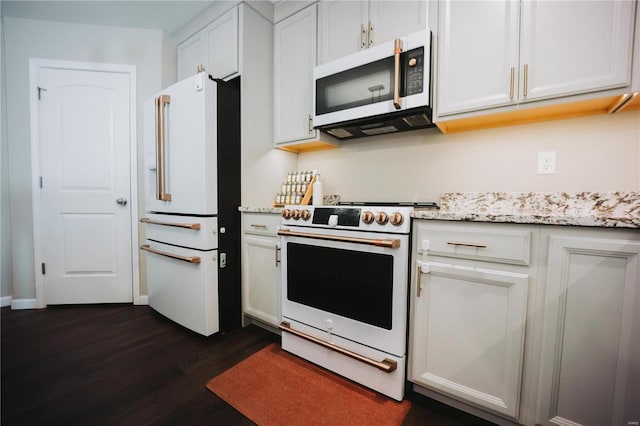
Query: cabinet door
[[190, 57], [478, 55], [222, 45], [294, 59], [571, 47], [342, 28], [468, 334], [392, 19], [261, 279], [589, 365]]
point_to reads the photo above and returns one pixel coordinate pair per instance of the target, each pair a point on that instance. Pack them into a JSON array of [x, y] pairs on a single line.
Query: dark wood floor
[[128, 365]]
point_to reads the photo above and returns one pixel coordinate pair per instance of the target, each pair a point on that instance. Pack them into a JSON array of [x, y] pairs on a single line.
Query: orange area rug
[[273, 387]]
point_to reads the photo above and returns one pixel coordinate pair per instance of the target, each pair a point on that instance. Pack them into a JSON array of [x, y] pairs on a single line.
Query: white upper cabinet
[[348, 26], [215, 48], [499, 53], [294, 59], [478, 55], [571, 47]]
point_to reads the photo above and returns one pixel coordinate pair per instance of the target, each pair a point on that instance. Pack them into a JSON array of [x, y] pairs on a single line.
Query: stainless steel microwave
[[383, 89]]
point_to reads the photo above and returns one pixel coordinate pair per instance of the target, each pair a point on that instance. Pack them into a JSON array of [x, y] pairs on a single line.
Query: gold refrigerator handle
[[386, 243], [387, 365], [161, 178], [397, 48], [177, 225], [191, 259]]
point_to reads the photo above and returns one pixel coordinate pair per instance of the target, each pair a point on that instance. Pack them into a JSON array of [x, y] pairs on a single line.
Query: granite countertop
[[598, 209]]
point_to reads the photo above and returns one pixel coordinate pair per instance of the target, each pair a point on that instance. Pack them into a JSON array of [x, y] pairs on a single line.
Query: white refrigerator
[[192, 194]]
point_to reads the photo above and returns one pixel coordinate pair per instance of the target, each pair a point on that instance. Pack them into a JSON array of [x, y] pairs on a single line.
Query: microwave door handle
[[397, 48]]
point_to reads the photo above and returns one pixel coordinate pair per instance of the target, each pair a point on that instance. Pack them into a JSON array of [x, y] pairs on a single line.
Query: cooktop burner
[[417, 204]]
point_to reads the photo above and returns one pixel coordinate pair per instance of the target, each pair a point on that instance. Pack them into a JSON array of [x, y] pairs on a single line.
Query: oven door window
[[349, 283]]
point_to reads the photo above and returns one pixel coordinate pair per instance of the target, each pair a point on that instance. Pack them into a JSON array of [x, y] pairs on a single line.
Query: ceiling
[[167, 15]]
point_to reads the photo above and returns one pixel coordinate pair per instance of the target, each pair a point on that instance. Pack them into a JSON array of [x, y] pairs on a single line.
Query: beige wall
[[597, 153]]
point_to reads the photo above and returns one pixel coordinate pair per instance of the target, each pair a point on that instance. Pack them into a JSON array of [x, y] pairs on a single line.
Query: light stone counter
[[272, 210], [600, 209]]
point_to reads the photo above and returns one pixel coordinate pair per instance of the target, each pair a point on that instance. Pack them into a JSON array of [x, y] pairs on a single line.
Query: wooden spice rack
[[306, 198]]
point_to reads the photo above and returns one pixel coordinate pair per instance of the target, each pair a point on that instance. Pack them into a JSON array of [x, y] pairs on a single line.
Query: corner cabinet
[[347, 26], [215, 48], [590, 364], [468, 312], [261, 268], [530, 51], [294, 59]]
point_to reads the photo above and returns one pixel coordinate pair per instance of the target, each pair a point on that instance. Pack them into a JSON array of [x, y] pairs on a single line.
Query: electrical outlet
[[547, 163]]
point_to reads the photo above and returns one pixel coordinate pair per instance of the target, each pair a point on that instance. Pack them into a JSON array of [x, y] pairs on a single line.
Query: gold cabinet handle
[[511, 89], [177, 225], [277, 255], [363, 35], [526, 80], [370, 35], [188, 259], [258, 226], [386, 243], [465, 244], [418, 278], [161, 178], [387, 365], [310, 125], [397, 48]]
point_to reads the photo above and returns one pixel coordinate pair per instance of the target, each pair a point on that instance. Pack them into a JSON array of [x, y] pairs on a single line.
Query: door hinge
[[40, 182], [43, 269], [40, 90]]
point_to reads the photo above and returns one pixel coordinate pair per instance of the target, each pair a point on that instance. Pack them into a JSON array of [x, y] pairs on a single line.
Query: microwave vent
[[340, 133], [418, 120]]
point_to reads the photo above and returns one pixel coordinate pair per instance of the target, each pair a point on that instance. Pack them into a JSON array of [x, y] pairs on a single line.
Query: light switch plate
[[547, 163]]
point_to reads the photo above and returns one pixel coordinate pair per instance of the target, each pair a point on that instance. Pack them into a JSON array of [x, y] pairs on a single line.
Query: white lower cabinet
[[527, 324], [261, 268], [590, 364], [469, 316]]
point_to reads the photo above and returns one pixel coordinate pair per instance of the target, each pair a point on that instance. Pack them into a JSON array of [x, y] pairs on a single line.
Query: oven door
[[351, 285], [374, 81]]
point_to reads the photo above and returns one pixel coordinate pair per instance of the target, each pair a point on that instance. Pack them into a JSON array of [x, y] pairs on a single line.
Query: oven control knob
[[295, 214], [367, 217], [382, 218], [286, 214], [396, 218], [305, 214]]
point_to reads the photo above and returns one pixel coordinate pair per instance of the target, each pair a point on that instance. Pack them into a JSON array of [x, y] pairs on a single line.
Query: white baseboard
[[5, 301], [24, 304], [142, 300]]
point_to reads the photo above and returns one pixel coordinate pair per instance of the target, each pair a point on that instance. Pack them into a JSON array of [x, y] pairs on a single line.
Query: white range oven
[[344, 290]]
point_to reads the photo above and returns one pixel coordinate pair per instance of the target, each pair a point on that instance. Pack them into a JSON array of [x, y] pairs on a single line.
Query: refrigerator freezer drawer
[[187, 231], [182, 289]]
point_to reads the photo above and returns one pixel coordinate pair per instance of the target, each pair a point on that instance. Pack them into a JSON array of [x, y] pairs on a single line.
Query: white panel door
[[478, 55], [261, 279], [468, 334], [84, 138], [190, 57], [222, 45], [589, 372], [393, 19], [342, 28], [571, 47]]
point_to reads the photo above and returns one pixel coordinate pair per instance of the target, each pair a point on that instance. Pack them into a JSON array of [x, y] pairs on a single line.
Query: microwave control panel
[[414, 71]]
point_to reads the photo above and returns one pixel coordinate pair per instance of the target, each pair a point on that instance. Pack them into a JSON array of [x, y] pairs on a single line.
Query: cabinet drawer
[[488, 242], [261, 223]]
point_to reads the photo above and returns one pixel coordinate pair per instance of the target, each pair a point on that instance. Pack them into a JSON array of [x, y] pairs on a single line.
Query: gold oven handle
[[386, 243], [161, 178], [397, 48], [191, 259], [387, 365]]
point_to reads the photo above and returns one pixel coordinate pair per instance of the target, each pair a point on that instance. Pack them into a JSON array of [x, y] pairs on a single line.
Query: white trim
[[5, 301], [142, 300], [34, 65], [18, 304]]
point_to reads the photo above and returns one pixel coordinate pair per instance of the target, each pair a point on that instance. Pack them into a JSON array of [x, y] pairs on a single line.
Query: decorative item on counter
[[317, 191], [296, 189]]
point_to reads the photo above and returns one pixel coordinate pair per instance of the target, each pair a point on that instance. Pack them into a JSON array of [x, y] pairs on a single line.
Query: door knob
[[122, 201]]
